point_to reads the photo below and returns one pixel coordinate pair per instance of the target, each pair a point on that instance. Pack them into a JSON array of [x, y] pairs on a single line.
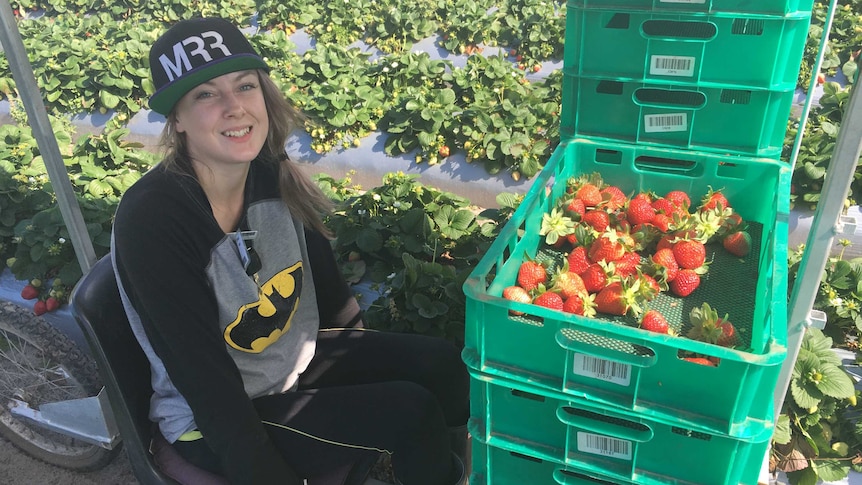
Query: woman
[[233, 292]]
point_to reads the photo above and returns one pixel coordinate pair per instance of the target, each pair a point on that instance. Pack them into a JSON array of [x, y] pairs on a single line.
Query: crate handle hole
[[679, 29], [698, 359], [670, 97], [609, 157], [667, 165], [527, 395], [566, 475]]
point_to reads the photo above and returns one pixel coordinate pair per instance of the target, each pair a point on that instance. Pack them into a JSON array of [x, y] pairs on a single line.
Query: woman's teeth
[[237, 133]]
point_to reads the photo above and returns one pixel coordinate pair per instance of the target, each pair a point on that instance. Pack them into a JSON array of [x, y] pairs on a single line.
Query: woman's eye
[[203, 95]]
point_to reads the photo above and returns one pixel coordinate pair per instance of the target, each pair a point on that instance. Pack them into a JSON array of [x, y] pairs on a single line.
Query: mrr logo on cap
[[182, 63]]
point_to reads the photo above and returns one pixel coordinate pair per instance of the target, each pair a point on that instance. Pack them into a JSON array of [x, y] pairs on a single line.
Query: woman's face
[[224, 120]]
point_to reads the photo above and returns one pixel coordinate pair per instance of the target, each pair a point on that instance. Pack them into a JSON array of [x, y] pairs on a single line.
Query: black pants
[[367, 392]]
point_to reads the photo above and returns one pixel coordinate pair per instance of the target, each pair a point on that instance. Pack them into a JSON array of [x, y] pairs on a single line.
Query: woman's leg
[[319, 429], [352, 356]]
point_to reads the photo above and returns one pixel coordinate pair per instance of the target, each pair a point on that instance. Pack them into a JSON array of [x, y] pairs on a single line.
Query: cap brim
[[163, 100]]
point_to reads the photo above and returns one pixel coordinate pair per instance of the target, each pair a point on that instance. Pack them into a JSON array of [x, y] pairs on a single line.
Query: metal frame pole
[[22, 72]]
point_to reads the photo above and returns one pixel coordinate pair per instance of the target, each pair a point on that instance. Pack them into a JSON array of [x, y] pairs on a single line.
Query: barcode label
[[700, 2], [606, 370], [604, 445], [682, 66], [666, 122]]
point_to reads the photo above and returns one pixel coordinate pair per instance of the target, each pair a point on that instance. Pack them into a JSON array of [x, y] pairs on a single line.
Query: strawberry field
[[485, 94]]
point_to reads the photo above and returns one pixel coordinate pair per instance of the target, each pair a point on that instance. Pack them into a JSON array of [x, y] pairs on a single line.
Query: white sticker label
[[605, 370], [605, 446], [681, 66], [699, 2], [666, 122]]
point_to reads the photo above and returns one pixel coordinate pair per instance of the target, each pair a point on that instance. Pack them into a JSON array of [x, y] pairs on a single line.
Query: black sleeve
[[161, 263], [329, 284]]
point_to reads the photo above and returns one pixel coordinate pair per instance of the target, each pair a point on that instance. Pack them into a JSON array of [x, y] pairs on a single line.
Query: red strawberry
[[628, 264], [549, 299], [613, 198], [619, 298], [590, 194], [516, 293], [640, 211], [665, 264], [651, 286], [664, 206], [679, 198], [531, 274], [689, 253], [578, 260], [654, 321], [713, 199], [686, 281], [737, 243], [39, 308], [662, 222], [52, 304], [700, 360], [568, 284], [594, 277], [597, 219], [707, 327], [29, 292], [607, 247], [575, 206]]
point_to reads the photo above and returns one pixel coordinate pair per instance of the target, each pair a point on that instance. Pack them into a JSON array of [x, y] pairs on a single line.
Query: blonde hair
[[303, 197]]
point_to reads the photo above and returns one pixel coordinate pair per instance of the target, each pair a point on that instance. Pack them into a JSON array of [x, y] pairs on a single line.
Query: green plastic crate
[[612, 362], [748, 122], [728, 50], [495, 466], [621, 446], [765, 7]]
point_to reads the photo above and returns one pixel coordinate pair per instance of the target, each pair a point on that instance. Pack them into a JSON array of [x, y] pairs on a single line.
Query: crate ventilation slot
[[735, 96], [747, 27], [528, 395], [691, 434], [619, 21], [679, 29], [601, 418], [585, 478]]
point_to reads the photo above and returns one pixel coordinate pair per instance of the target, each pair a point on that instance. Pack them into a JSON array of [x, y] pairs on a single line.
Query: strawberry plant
[[403, 23], [340, 98], [814, 439], [466, 24], [535, 28]]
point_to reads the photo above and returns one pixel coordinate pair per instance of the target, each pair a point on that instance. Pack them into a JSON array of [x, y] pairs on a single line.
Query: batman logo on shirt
[[261, 323]]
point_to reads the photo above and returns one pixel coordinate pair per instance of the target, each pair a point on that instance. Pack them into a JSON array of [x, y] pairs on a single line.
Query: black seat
[[125, 371]]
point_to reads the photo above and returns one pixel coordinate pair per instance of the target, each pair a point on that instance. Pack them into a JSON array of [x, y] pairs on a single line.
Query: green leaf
[[369, 240], [835, 383], [831, 470], [782, 433]]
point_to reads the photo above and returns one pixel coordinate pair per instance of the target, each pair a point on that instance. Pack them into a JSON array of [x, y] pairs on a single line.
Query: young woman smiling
[[261, 370]]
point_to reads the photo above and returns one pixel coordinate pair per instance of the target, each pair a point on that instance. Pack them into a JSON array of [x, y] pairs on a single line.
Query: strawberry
[[689, 253], [686, 281], [650, 286], [662, 222], [597, 219], [590, 194], [613, 198], [679, 198], [627, 264], [52, 303], [619, 298], [654, 321], [607, 247], [577, 260], [707, 327], [640, 211], [663, 206], [516, 293], [567, 284], [665, 265], [700, 360], [714, 199], [39, 308], [29, 292], [549, 299], [737, 243], [531, 274], [595, 277], [580, 305], [575, 207]]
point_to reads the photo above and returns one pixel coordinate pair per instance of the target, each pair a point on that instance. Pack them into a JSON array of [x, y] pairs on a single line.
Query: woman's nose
[[232, 104]]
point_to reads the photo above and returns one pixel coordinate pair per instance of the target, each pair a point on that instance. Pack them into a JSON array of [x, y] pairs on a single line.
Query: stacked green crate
[[658, 95]]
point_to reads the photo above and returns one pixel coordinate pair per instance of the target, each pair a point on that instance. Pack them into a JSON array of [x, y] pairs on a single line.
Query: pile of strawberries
[[622, 251]]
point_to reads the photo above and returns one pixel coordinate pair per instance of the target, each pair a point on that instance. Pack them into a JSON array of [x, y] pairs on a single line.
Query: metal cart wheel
[[39, 364]]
